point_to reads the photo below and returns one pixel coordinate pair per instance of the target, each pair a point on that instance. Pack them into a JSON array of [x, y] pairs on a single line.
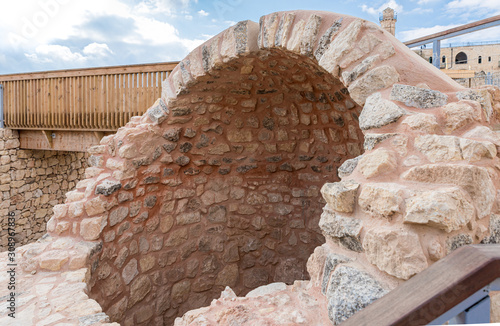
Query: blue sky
[[39, 35]]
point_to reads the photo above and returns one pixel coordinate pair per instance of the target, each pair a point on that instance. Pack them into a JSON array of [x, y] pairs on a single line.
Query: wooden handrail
[[434, 291], [91, 99]]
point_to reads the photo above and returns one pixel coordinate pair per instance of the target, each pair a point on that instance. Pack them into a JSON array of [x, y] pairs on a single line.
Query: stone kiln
[[218, 184]]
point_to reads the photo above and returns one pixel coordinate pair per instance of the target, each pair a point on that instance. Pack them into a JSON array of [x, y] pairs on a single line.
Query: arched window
[[489, 59], [461, 58], [430, 59], [443, 59], [479, 59]]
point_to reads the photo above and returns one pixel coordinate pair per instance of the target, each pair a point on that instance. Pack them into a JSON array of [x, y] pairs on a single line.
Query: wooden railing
[[436, 290], [95, 99]]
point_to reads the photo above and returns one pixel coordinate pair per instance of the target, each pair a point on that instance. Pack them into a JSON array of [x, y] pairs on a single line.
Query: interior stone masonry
[[287, 175]]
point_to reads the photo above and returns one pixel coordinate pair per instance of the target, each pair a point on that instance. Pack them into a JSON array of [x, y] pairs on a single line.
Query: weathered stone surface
[[473, 179], [341, 227], [483, 133], [139, 288], [439, 148], [53, 260], [267, 289], [331, 262], [447, 209], [371, 140], [426, 123], [479, 95], [310, 35], [473, 151], [107, 187], [344, 42], [327, 38], [378, 162], [91, 228], [378, 112], [158, 112], [395, 251], [381, 199], [117, 215], [375, 79], [348, 166], [340, 196], [458, 241], [494, 229], [351, 290], [459, 114], [417, 97]]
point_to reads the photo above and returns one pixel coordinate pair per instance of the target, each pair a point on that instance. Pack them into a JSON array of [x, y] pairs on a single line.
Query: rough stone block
[[417, 97], [380, 245], [447, 209], [381, 199], [340, 196], [378, 162], [378, 112]]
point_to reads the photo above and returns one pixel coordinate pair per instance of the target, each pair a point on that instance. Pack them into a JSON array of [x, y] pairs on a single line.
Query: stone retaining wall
[[31, 184], [218, 184]]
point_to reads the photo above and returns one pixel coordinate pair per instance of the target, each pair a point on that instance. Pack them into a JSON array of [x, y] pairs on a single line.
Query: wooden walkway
[[80, 104]]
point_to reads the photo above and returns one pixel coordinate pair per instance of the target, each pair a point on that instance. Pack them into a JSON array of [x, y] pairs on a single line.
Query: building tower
[[388, 20]]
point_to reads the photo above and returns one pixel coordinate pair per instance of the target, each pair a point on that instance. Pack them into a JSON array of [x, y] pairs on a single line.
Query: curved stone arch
[[126, 199]]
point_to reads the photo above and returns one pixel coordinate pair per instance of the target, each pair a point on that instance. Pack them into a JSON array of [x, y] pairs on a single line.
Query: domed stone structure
[[312, 145]]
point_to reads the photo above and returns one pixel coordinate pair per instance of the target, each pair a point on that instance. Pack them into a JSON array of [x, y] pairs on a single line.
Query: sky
[[41, 35]]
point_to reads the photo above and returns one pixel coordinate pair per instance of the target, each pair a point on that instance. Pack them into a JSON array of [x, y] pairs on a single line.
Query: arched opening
[[461, 58], [430, 59], [443, 59], [233, 196], [479, 60]]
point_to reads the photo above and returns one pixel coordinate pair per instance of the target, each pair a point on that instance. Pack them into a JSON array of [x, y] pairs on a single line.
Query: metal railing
[[95, 99]]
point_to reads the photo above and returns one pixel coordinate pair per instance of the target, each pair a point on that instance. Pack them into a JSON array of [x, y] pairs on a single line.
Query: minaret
[[388, 20]]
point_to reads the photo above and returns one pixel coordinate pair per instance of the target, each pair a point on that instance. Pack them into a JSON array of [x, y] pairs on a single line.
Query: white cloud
[[203, 13], [425, 2], [472, 4], [376, 11], [424, 31], [97, 49], [50, 53]]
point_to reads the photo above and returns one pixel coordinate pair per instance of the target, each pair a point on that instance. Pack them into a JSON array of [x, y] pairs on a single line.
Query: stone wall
[[32, 183], [218, 184]]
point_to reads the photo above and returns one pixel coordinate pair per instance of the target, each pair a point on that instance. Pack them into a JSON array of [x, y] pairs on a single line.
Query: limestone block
[[494, 229], [482, 96], [473, 179], [378, 162], [455, 242], [348, 166], [378, 112], [344, 43], [53, 260], [423, 122], [395, 251], [91, 228], [459, 114], [266, 290], [95, 206], [139, 288], [107, 187], [340, 196], [281, 37], [417, 97], [375, 79], [447, 209], [310, 35], [381, 199], [364, 66], [158, 112], [473, 151], [268, 33], [326, 39], [346, 229], [439, 148], [483, 133], [330, 263], [349, 291]]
